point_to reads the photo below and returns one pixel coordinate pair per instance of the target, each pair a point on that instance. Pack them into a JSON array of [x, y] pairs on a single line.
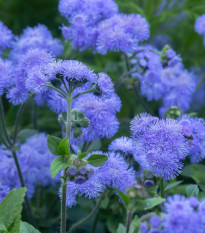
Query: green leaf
[[3, 228], [63, 147], [97, 160], [134, 226], [25, 133], [121, 228], [124, 197], [27, 228], [82, 155], [151, 203], [53, 143], [192, 190], [172, 185], [57, 165], [195, 171], [10, 210]]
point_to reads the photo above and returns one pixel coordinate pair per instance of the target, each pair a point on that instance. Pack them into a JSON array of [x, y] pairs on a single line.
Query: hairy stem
[[162, 187], [82, 221], [18, 117], [64, 182], [129, 219], [4, 127]]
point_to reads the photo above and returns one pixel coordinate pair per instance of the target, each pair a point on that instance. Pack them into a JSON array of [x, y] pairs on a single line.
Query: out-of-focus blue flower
[[6, 75], [160, 145], [123, 145], [155, 221], [38, 37], [34, 159], [114, 173], [6, 38], [179, 85], [194, 128], [4, 189], [200, 25], [144, 228], [181, 217], [122, 33]]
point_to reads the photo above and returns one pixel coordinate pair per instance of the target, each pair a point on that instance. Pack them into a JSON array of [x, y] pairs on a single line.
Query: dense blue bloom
[[122, 33], [105, 85], [101, 113], [160, 145], [6, 38], [38, 37], [113, 173], [6, 75], [84, 17], [123, 145], [34, 159], [181, 217], [200, 25], [194, 128], [179, 86], [29, 75], [95, 10], [155, 221]]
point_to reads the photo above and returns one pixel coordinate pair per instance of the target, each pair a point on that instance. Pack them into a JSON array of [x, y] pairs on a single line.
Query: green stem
[[64, 182], [95, 222], [17, 122], [85, 92], [35, 115], [162, 187], [82, 221], [128, 222], [4, 127]]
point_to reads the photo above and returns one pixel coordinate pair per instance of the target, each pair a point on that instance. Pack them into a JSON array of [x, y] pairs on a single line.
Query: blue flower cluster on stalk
[[34, 160], [115, 173], [97, 25], [159, 145], [162, 76], [7, 37]]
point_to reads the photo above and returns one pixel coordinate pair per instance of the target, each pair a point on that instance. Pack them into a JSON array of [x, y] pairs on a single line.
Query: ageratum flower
[[200, 26], [6, 38], [114, 173], [180, 216], [6, 75], [34, 159], [29, 76], [160, 147], [179, 85], [121, 33], [102, 115], [123, 145], [194, 129], [84, 17], [38, 37]]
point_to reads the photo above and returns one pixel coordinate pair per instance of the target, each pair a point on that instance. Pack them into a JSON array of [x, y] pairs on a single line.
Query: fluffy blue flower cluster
[[200, 26], [159, 145], [6, 38], [114, 173], [97, 25], [34, 160], [181, 215], [6, 75], [163, 77], [38, 37], [194, 129]]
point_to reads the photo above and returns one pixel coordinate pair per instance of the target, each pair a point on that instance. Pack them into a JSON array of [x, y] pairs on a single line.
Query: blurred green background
[[171, 21]]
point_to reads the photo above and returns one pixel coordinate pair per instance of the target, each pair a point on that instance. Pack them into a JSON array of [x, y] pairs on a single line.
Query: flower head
[[6, 38]]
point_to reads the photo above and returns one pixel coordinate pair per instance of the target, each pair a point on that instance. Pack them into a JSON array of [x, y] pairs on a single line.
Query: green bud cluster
[[149, 179], [173, 112]]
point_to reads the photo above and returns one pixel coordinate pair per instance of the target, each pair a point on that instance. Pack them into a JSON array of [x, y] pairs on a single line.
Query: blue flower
[[122, 33], [6, 75], [6, 38], [123, 145], [194, 128]]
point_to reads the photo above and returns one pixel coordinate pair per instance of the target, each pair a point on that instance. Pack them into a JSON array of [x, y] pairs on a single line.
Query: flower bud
[[173, 112], [72, 171], [149, 183], [83, 171], [80, 180]]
